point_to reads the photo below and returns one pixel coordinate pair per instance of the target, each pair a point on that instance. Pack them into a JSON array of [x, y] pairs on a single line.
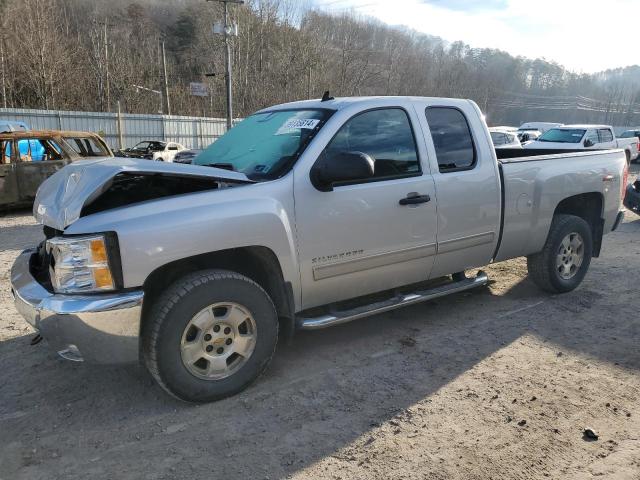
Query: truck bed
[[534, 182]]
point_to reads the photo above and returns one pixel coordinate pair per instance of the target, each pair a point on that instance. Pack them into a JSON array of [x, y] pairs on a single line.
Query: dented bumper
[[98, 328]]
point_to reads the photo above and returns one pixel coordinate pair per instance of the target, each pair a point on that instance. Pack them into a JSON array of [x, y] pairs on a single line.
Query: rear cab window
[[452, 139]]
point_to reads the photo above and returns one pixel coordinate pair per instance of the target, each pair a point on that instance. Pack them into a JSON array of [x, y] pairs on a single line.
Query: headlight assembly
[[80, 264]]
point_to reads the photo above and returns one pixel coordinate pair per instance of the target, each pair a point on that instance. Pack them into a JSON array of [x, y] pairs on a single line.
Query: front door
[[360, 238], [8, 174], [39, 159]]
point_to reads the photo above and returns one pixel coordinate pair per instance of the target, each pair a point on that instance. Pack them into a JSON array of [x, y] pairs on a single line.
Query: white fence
[[127, 129]]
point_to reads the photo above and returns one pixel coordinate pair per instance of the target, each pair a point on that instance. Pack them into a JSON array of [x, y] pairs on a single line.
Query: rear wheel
[[210, 335], [563, 263]]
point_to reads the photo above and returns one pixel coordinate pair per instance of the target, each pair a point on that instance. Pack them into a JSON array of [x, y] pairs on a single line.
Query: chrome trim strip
[[321, 272], [336, 318], [466, 242]]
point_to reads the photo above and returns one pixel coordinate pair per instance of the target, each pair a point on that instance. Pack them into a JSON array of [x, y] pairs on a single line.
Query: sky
[[584, 36]]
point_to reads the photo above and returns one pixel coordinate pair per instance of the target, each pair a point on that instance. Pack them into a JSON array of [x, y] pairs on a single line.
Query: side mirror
[[341, 167], [588, 143]]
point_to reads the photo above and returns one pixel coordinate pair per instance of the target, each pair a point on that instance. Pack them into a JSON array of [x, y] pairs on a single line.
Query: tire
[[169, 337], [543, 266]]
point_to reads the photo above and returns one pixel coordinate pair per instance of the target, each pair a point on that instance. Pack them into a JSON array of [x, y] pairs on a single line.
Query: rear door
[[362, 237], [8, 173], [467, 183], [39, 159]]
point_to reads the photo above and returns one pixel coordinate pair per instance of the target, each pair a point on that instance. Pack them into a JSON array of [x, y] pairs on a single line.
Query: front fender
[[153, 234]]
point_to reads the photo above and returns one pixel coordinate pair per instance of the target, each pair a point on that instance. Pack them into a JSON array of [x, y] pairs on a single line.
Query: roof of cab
[[45, 134], [339, 103]]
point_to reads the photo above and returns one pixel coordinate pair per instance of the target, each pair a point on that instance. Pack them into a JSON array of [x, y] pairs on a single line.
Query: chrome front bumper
[[99, 328]]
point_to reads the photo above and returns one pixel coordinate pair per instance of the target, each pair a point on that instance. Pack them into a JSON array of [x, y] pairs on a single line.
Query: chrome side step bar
[[402, 300]]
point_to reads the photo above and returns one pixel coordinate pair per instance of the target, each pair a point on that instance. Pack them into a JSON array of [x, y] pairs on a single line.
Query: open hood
[[63, 197]]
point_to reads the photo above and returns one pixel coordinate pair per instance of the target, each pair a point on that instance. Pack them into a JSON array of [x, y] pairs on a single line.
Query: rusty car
[[27, 158]]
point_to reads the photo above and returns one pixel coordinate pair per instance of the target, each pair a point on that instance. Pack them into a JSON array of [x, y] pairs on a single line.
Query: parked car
[[504, 139], [27, 158], [186, 156], [632, 197], [586, 137], [631, 134], [329, 201], [153, 150], [538, 126], [7, 126]]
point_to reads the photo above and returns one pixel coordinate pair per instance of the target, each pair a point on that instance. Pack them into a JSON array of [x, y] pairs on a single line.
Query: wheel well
[[258, 263], [587, 206]]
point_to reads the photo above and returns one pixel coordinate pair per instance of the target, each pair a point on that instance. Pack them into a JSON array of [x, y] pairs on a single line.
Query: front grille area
[[41, 260]]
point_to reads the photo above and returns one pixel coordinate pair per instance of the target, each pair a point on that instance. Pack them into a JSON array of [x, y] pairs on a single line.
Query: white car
[[154, 150], [503, 138], [169, 152], [586, 137]]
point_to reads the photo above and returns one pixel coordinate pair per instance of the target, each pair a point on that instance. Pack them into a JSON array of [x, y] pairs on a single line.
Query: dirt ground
[[496, 383]]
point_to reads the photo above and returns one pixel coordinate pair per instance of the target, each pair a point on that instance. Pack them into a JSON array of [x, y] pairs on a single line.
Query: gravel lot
[[496, 383]]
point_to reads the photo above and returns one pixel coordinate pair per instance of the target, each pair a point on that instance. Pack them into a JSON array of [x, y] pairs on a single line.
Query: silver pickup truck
[[303, 216]]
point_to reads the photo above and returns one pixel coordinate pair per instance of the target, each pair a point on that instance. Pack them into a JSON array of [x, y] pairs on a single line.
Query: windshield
[[564, 135], [630, 134], [265, 146], [153, 146]]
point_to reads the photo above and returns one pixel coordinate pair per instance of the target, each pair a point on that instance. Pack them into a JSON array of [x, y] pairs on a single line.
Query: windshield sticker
[[297, 124]]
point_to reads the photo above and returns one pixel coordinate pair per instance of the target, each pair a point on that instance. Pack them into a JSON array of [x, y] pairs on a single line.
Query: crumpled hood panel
[[61, 198]]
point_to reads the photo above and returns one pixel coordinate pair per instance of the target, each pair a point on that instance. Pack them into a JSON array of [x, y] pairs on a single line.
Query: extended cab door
[[358, 238], [467, 183]]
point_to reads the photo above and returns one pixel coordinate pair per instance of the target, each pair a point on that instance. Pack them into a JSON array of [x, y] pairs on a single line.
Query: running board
[[402, 300]]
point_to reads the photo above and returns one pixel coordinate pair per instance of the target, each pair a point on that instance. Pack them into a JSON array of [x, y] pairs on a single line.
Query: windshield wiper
[[224, 166]]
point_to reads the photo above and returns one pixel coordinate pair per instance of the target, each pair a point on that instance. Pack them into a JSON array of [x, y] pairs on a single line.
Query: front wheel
[[210, 335], [563, 262]]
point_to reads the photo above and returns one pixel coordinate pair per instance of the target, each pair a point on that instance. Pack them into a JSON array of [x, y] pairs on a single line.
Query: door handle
[[414, 199]]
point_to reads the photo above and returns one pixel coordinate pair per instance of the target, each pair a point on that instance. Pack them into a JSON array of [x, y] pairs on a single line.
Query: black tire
[[173, 311], [542, 266]]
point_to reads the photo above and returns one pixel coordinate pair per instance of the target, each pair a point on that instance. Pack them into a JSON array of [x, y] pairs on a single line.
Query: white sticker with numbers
[[297, 124]]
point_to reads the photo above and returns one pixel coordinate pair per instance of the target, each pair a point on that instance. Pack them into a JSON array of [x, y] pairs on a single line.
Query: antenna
[[326, 97]]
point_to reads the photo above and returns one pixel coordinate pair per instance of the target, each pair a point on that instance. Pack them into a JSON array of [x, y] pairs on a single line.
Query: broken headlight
[[80, 264]]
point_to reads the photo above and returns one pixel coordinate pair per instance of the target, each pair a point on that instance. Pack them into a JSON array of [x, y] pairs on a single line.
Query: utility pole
[[166, 82], [4, 86], [106, 66], [227, 30]]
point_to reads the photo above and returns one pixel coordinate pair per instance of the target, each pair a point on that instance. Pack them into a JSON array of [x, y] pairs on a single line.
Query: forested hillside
[[54, 56]]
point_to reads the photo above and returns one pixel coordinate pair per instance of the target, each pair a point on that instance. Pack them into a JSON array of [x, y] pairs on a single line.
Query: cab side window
[[452, 139], [38, 150], [385, 135], [593, 136], [605, 135]]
